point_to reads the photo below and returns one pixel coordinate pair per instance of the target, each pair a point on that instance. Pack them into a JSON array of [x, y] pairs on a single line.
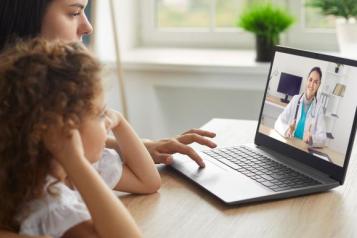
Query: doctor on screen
[[303, 118]]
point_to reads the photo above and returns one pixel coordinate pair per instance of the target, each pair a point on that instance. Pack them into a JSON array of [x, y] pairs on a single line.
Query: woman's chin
[[309, 95]]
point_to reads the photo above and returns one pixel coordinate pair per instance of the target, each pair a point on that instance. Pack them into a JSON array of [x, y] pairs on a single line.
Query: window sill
[[193, 60]]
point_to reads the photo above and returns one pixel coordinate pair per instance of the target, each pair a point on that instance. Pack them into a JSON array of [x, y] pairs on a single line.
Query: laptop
[[312, 158]]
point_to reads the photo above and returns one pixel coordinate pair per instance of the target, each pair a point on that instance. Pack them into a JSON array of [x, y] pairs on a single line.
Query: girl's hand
[[112, 118], [64, 146]]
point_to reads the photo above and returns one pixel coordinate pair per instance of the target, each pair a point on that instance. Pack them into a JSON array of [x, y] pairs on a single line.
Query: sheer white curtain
[[106, 43], [119, 69]]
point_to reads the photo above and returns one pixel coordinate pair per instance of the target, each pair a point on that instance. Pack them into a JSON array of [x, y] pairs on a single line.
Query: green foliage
[[265, 20], [340, 8]]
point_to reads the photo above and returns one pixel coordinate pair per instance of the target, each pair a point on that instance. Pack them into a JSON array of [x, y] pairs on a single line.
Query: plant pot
[[347, 36], [264, 48]]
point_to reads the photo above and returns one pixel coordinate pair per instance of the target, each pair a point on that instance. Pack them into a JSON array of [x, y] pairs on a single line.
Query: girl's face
[[313, 84], [93, 130], [66, 20]]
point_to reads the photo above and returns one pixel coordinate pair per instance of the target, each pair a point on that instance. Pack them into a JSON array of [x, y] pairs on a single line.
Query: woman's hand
[[291, 129], [161, 151], [308, 136]]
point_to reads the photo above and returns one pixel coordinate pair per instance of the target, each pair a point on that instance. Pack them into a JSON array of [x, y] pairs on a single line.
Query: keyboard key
[[229, 163], [267, 183]]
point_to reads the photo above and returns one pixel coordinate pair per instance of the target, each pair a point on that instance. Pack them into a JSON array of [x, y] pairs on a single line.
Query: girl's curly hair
[[41, 84]]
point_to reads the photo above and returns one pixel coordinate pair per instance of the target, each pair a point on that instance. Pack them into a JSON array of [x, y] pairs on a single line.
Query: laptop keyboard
[[261, 168]]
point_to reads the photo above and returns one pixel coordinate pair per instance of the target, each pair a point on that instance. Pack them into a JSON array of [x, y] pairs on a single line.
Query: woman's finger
[[162, 158], [193, 137], [200, 132], [181, 148]]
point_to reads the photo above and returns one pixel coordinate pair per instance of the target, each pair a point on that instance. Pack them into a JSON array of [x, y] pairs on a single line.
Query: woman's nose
[[85, 27]]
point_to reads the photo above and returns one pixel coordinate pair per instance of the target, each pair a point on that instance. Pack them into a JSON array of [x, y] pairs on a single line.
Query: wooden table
[[335, 157], [181, 209]]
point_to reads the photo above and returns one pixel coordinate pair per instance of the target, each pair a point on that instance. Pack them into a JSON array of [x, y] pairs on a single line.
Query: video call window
[[310, 105]]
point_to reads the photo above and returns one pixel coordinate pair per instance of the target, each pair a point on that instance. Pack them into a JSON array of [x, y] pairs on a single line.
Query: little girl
[[55, 175]]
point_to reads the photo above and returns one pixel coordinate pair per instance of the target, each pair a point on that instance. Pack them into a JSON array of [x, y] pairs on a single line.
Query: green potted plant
[[266, 22], [345, 12]]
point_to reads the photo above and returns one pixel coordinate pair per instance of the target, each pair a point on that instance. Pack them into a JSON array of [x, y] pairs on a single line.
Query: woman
[[303, 117], [66, 20]]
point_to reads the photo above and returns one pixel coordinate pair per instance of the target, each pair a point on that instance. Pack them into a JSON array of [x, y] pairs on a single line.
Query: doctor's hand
[[291, 129], [308, 136], [161, 150]]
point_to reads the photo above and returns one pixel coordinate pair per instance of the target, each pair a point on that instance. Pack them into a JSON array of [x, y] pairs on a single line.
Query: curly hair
[[41, 84]]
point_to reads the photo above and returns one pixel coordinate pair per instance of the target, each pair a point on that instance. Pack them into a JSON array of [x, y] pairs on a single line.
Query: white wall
[[296, 65], [165, 103], [346, 111]]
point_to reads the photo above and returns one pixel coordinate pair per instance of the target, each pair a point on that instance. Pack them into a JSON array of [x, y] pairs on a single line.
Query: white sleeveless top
[[55, 214]]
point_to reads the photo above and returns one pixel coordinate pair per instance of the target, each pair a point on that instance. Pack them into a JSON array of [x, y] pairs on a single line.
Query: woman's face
[[66, 20], [313, 84]]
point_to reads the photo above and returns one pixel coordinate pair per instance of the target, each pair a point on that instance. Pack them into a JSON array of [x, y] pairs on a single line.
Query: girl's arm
[[139, 172], [109, 216]]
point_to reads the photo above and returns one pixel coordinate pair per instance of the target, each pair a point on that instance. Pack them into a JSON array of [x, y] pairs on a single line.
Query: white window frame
[[297, 36]]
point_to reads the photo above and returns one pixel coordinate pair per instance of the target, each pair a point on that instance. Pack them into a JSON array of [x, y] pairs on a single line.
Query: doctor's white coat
[[314, 117]]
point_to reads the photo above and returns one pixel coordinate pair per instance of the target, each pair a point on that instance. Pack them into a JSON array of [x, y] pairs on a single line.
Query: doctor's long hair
[[42, 84], [317, 70]]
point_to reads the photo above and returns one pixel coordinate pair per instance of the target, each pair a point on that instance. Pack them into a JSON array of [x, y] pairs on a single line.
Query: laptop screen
[[310, 105]]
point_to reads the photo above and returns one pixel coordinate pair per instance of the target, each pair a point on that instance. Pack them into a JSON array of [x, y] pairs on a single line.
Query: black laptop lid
[[309, 109]]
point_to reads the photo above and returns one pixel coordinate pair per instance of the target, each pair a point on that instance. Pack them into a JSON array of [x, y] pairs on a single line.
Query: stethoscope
[[313, 113]]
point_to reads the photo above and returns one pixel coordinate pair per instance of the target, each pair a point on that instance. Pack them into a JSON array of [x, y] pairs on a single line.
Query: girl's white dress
[[54, 214]]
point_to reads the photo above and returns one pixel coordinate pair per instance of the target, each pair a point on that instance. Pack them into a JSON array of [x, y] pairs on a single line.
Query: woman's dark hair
[[317, 70], [20, 19]]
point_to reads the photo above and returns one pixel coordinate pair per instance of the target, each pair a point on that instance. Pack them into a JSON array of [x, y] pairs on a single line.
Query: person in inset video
[[303, 118]]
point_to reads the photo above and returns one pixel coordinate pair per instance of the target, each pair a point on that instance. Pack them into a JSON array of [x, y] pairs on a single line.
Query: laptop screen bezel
[[334, 171]]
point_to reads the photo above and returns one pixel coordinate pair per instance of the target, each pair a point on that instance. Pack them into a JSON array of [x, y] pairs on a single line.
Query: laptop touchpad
[[222, 181]]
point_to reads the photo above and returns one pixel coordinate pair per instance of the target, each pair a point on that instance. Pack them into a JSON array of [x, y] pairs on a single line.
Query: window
[[313, 19], [311, 30], [204, 14], [182, 14], [212, 23]]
